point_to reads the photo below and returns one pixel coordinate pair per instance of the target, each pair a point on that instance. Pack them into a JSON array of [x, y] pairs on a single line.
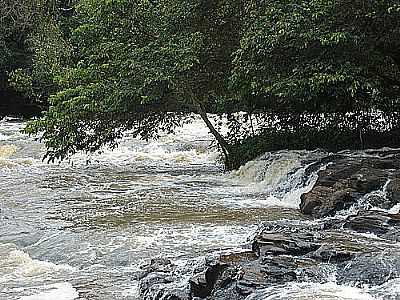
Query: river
[[81, 229]]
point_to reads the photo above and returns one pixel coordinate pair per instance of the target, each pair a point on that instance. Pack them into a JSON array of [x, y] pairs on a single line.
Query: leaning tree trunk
[[225, 147]]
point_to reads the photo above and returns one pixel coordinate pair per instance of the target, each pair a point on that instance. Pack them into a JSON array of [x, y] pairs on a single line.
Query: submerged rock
[[269, 243]]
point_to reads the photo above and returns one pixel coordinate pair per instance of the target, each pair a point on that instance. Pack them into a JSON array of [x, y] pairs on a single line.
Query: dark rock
[[315, 166], [156, 265], [202, 284], [332, 254], [219, 280], [158, 281], [378, 200], [377, 222], [242, 277], [346, 179], [279, 270], [326, 201], [371, 269], [393, 190], [296, 243]]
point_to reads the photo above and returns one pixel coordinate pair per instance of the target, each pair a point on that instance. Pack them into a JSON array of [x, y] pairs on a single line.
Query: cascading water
[[80, 230]]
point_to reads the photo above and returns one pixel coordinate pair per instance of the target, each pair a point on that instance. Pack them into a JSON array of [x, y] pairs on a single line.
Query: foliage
[[320, 55], [142, 65], [310, 72], [32, 46], [50, 53], [329, 131]]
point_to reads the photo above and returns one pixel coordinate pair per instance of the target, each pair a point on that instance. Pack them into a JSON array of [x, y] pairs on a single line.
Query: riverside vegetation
[[321, 73]]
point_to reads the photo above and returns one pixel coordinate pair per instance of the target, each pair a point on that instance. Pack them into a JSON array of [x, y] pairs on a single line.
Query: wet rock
[[346, 179], [202, 284], [372, 221], [333, 254], [378, 200], [325, 201], [393, 190], [281, 252], [371, 268], [272, 243], [159, 281], [220, 279], [241, 277], [156, 265]]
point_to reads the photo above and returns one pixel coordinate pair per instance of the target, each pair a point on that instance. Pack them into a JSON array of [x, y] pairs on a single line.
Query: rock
[[156, 265], [346, 179], [296, 243], [378, 200], [325, 201], [376, 222], [331, 254], [393, 190], [279, 270], [202, 284], [158, 281], [219, 280], [371, 268], [240, 278]]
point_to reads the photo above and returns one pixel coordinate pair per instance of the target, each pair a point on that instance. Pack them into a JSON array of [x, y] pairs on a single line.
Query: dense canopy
[[310, 73]]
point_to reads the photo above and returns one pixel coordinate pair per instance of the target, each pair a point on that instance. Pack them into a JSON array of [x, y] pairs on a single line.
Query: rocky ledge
[[358, 247], [349, 180]]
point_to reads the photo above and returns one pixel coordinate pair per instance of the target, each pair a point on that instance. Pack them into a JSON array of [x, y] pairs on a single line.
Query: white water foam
[[7, 150], [279, 176], [310, 291], [190, 144], [15, 264], [57, 291]]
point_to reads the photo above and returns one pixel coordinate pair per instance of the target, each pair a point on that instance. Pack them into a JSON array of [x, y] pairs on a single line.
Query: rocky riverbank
[[351, 233]]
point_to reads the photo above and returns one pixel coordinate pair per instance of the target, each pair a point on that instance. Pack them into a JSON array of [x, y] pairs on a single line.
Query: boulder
[[393, 190], [371, 221], [276, 243], [158, 281], [369, 268], [345, 180]]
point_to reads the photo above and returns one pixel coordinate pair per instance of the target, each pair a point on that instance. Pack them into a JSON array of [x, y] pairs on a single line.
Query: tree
[[31, 49], [320, 56], [305, 68], [16, 19], [321, 65], [142, 65]]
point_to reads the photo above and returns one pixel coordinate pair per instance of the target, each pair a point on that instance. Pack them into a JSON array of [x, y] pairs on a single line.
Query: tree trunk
[[225, 147]]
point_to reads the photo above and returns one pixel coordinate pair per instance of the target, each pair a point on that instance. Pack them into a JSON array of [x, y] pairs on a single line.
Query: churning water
[[80, 230]]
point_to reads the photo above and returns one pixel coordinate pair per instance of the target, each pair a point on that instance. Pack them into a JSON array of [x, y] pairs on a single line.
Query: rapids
[[80, 229]]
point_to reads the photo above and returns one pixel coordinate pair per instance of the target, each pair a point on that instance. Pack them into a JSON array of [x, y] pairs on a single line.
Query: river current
[[81, 229]]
